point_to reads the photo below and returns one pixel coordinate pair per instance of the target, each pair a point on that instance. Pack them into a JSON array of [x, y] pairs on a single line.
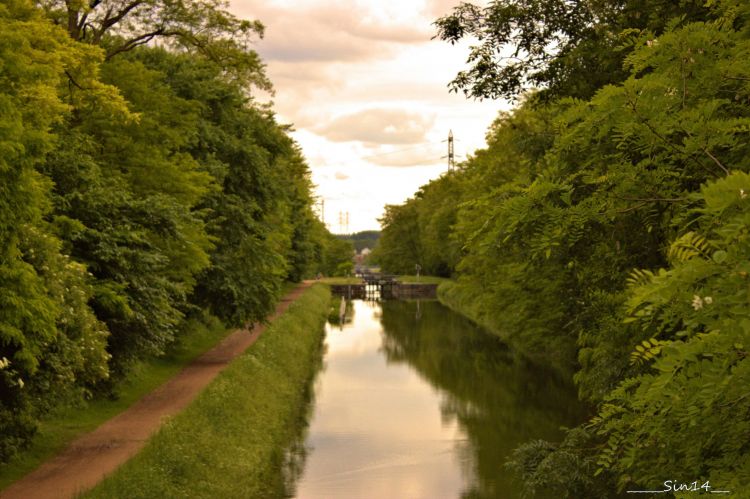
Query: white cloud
[[378, 126], [366, 89], [439, 8], [328, 31]]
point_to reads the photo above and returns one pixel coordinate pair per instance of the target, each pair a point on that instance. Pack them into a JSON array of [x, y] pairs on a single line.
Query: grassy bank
[[67, 423], [341, 280], [559, 355], [231, 441], [424, 279]]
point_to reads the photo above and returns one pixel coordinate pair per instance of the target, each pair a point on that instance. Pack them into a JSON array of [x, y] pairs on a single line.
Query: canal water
[[414, 401]]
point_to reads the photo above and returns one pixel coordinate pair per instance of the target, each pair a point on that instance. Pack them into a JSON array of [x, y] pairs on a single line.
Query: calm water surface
[[414, 401]]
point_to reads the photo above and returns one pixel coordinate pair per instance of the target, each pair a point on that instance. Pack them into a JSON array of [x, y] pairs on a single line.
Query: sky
[[366, 90]]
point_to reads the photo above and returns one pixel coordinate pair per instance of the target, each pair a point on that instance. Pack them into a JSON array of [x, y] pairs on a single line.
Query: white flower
[[4, 363], [708, 300], [697, 302], [20, 383], [743, 194]]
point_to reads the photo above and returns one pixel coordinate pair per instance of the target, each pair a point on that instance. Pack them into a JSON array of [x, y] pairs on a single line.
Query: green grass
[[67, 423], [426, 279], [556, 354], [288, 287], [341, 280], [232, 441]]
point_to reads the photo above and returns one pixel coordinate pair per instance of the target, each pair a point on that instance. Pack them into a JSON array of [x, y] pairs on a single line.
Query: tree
[[201, 26], [687, 411], [399, 247], [50, 341], [137, 191], [569, 48], [655, 162]]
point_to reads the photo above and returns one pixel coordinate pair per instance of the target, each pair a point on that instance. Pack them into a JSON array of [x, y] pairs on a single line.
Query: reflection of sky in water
[[377, 430], [418, 402]]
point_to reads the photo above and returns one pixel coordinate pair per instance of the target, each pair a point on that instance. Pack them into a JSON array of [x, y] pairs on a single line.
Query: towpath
[[89, 458]]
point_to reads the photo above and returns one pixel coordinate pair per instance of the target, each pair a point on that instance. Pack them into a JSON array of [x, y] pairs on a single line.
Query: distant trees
[[419, 231], [140, 186], [603, 227], [364, 239]]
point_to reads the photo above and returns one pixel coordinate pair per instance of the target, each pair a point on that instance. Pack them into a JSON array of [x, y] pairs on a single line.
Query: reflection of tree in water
[[334, 312], [292, 457], [497, 397]]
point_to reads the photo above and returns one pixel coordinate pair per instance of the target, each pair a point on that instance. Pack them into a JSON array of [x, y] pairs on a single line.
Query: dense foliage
[[606, 230], [418, 232], [571, 48], [140, 186]]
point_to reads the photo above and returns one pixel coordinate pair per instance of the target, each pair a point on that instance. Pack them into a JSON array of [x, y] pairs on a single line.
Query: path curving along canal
[[415, 401], [90, 457]]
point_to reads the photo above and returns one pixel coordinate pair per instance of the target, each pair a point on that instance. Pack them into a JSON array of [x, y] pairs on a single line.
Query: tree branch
[[108, 22], [656, 133], [140, 40], [74, 82], [708, 153], [631, 208], [652, 200]]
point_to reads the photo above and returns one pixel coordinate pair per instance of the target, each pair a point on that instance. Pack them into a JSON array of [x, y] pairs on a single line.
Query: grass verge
[[66, 423], [556, 352], [423, 279], [232, 440], [341, 280]]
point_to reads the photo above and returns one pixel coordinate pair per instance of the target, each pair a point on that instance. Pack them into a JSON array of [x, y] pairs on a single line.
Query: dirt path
[[92, 456]]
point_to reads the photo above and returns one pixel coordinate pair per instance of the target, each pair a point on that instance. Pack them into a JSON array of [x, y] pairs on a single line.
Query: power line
[[451, 161], [343, 222]]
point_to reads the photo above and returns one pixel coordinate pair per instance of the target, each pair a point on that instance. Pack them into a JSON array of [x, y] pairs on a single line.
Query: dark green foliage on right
[[604, 229]]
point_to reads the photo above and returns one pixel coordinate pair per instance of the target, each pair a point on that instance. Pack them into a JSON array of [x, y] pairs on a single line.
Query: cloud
[[334, 48], [328, 32], [341, 176], [378, 126], [439, 8]]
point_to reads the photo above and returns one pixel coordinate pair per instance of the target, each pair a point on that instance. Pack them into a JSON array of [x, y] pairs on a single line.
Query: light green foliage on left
[[140, 188], [124, 195], [50, 341]]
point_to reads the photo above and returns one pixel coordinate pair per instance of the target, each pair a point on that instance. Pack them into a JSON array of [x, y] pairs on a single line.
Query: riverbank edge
[[561, 359], [65, 424], [232, 440]]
